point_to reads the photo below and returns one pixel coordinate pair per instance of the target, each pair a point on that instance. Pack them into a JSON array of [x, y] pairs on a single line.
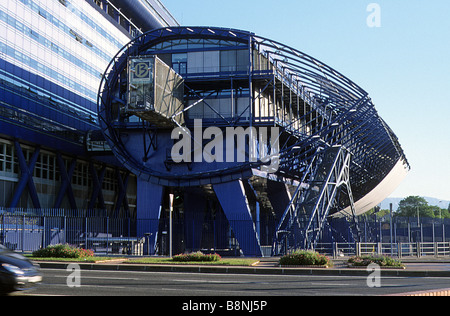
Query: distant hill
[[430, 200]]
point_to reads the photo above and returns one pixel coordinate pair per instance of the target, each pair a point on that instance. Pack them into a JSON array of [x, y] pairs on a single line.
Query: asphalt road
[[59, 282]]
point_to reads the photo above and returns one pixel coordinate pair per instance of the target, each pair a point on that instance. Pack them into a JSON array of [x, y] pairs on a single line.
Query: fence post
[[65, 229], [399, 251], [44, 232], [2, 235], [418, 249], [107, 236], [214, 234], [23, 233], [85, 233]]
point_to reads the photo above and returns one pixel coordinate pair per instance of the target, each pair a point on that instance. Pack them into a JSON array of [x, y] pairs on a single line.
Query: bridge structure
[[238, 126]]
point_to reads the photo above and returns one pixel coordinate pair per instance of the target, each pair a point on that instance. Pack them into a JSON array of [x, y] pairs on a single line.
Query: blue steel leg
[[148, 212], [234, 203]]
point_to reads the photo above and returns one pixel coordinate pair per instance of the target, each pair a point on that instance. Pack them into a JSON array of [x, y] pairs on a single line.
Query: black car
[[17, 273]]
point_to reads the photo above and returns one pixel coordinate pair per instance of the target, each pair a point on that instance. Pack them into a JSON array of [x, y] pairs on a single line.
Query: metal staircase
[[323, 183]]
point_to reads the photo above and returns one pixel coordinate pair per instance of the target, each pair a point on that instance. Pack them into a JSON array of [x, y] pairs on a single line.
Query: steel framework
[[307, 212], [323, 117]]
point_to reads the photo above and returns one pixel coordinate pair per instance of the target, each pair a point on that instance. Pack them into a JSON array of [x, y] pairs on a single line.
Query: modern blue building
[[247, 130], [110, 108], [52, 57]]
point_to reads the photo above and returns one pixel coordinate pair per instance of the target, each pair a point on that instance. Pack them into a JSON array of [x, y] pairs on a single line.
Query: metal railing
[[25, 231], [399, 250]]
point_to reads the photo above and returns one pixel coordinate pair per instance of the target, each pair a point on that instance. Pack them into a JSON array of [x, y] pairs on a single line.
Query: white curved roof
[[381, 191]]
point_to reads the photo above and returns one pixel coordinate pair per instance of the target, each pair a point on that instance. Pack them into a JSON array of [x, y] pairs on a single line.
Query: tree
[[441, 212], [413, 206]]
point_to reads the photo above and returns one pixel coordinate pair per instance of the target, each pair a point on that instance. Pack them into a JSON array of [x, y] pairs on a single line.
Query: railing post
[[107, 235], [85, 232], [65, 229], [3, 235], [44, 232], [23, 233], [334, 249], [358, 249]]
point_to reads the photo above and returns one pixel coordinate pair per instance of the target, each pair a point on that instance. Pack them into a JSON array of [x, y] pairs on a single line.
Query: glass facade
[[52, 57]]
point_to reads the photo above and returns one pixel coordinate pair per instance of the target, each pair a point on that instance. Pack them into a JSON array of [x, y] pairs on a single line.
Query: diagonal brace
[[26, 179]]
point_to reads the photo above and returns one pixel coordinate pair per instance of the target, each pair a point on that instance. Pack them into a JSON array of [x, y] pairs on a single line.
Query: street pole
[[390, 227], [170, 223], [418, 224]]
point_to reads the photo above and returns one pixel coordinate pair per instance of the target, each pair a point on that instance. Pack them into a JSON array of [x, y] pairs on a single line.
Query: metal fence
[[400, 250], [26, 231]]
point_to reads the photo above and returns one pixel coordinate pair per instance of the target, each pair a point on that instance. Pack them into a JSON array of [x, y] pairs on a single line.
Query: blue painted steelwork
[[121, 198], [149, 204], [27, 177], [231, 196], [66, 185], [97, 180], [306, 215], [194, 217], [235, 78]]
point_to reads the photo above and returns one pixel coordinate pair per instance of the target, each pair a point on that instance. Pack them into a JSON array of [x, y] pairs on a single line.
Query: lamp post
[[170, 223]]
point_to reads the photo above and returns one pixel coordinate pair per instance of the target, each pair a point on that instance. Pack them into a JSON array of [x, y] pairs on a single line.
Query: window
[[179, 63], [45, 167], [208, 61], [234, 60], [7, 158], [81, 174]]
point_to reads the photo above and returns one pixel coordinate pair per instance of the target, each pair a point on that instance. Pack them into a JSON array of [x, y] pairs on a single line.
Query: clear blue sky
[[404, 65]]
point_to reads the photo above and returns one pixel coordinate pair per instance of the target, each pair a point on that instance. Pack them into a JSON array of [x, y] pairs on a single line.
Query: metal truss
[[335, 110], [331, 136], [327, 178]]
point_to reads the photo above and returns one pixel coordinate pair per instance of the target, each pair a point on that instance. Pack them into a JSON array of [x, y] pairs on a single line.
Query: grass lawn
[[86, 259], [223, 261], [152, 260]]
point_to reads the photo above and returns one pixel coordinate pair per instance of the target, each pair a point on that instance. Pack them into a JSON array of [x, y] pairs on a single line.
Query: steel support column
[[234, 203], [149, 203]]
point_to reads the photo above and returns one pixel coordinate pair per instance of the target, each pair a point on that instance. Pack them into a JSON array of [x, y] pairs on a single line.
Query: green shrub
[[382, 261], [62, 251], [196, 257], [303, 257]]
